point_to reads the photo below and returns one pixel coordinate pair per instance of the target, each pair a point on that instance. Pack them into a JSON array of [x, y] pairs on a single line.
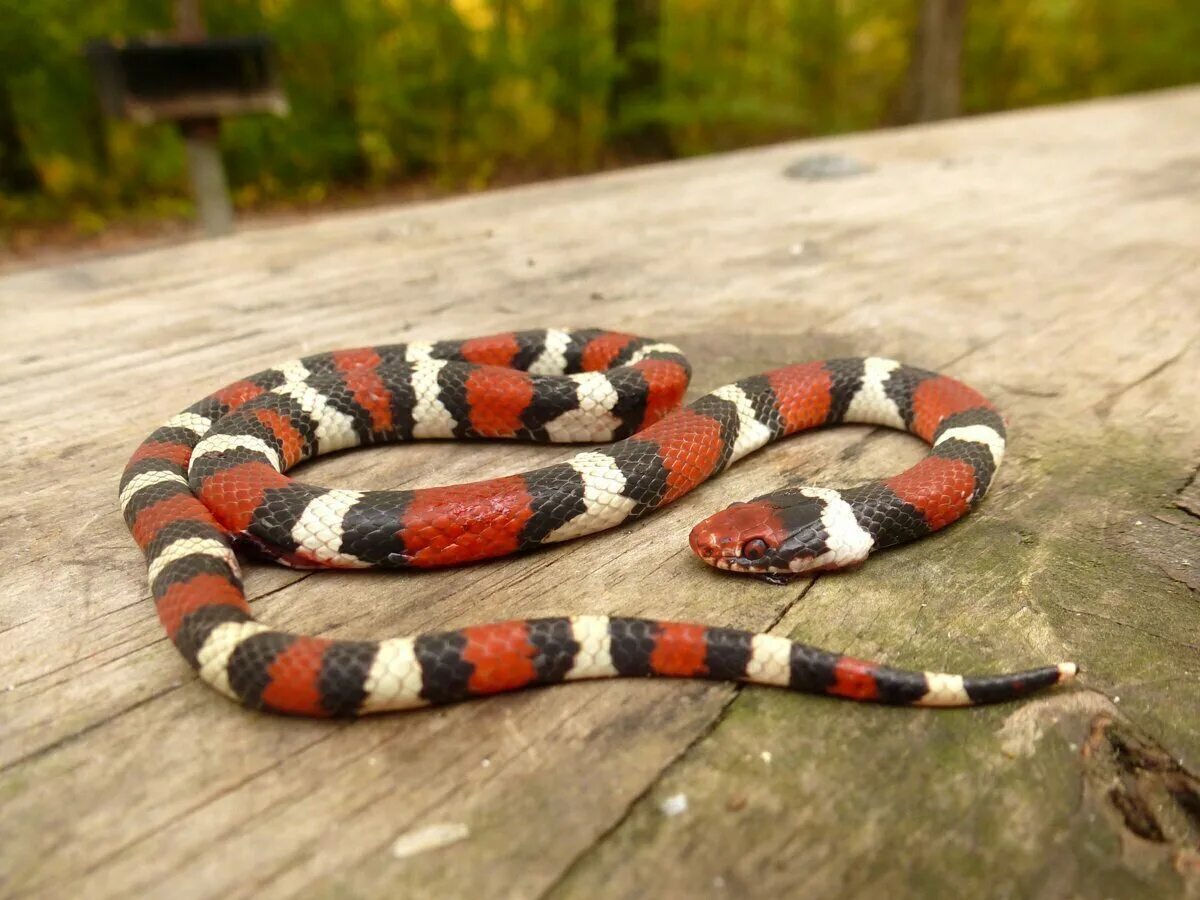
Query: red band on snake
[[215, 475]]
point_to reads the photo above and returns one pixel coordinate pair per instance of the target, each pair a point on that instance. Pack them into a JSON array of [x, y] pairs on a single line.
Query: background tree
[[458, 94], [933, 87], [636, 126], [20, 46]]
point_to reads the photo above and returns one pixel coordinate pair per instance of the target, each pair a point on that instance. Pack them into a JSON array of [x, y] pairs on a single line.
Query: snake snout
[[705, 543]]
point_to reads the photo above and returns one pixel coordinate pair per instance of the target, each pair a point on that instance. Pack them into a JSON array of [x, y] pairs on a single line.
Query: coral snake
[[213, 477]]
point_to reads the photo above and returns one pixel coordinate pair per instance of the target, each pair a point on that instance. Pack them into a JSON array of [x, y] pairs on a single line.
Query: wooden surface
[[1050, 258]]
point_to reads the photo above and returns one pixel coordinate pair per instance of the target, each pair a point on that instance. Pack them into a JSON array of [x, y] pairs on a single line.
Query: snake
[[212, 481]]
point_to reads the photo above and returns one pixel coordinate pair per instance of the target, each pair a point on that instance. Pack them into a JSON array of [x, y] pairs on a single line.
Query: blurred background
[[398, 99]]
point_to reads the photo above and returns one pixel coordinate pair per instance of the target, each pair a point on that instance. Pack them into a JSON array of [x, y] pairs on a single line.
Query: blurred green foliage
[[462, 94]]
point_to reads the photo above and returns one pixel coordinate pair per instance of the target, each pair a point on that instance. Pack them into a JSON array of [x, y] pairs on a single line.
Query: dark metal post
[[201, 139]]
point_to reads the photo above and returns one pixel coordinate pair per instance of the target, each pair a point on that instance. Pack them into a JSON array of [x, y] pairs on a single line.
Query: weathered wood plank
[[1047, 257]]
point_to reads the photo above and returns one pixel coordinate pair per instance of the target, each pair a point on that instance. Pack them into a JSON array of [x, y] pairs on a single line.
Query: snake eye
[[754, 549]]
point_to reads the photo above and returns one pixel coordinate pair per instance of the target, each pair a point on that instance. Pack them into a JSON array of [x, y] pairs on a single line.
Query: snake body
[[214, 477]]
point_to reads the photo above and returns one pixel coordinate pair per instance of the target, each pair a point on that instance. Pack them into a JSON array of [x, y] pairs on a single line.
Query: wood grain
[[1047, 257]]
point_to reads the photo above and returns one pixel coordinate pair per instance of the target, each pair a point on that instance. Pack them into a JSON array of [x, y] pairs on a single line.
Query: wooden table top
[[1050, 258]]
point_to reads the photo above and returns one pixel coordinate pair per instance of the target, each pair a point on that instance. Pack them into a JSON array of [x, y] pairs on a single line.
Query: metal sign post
[[194, 81]]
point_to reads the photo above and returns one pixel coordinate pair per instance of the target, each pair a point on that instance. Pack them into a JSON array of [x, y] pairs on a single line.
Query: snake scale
[[213, 478]]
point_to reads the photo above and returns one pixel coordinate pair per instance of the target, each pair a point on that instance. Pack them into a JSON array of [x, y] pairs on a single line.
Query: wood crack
[[208, 801], [87, 729], [735, 691], [1134, 628], [1103, 407]]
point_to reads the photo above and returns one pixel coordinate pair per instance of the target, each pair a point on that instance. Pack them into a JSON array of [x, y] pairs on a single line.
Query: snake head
[[787, 532]]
